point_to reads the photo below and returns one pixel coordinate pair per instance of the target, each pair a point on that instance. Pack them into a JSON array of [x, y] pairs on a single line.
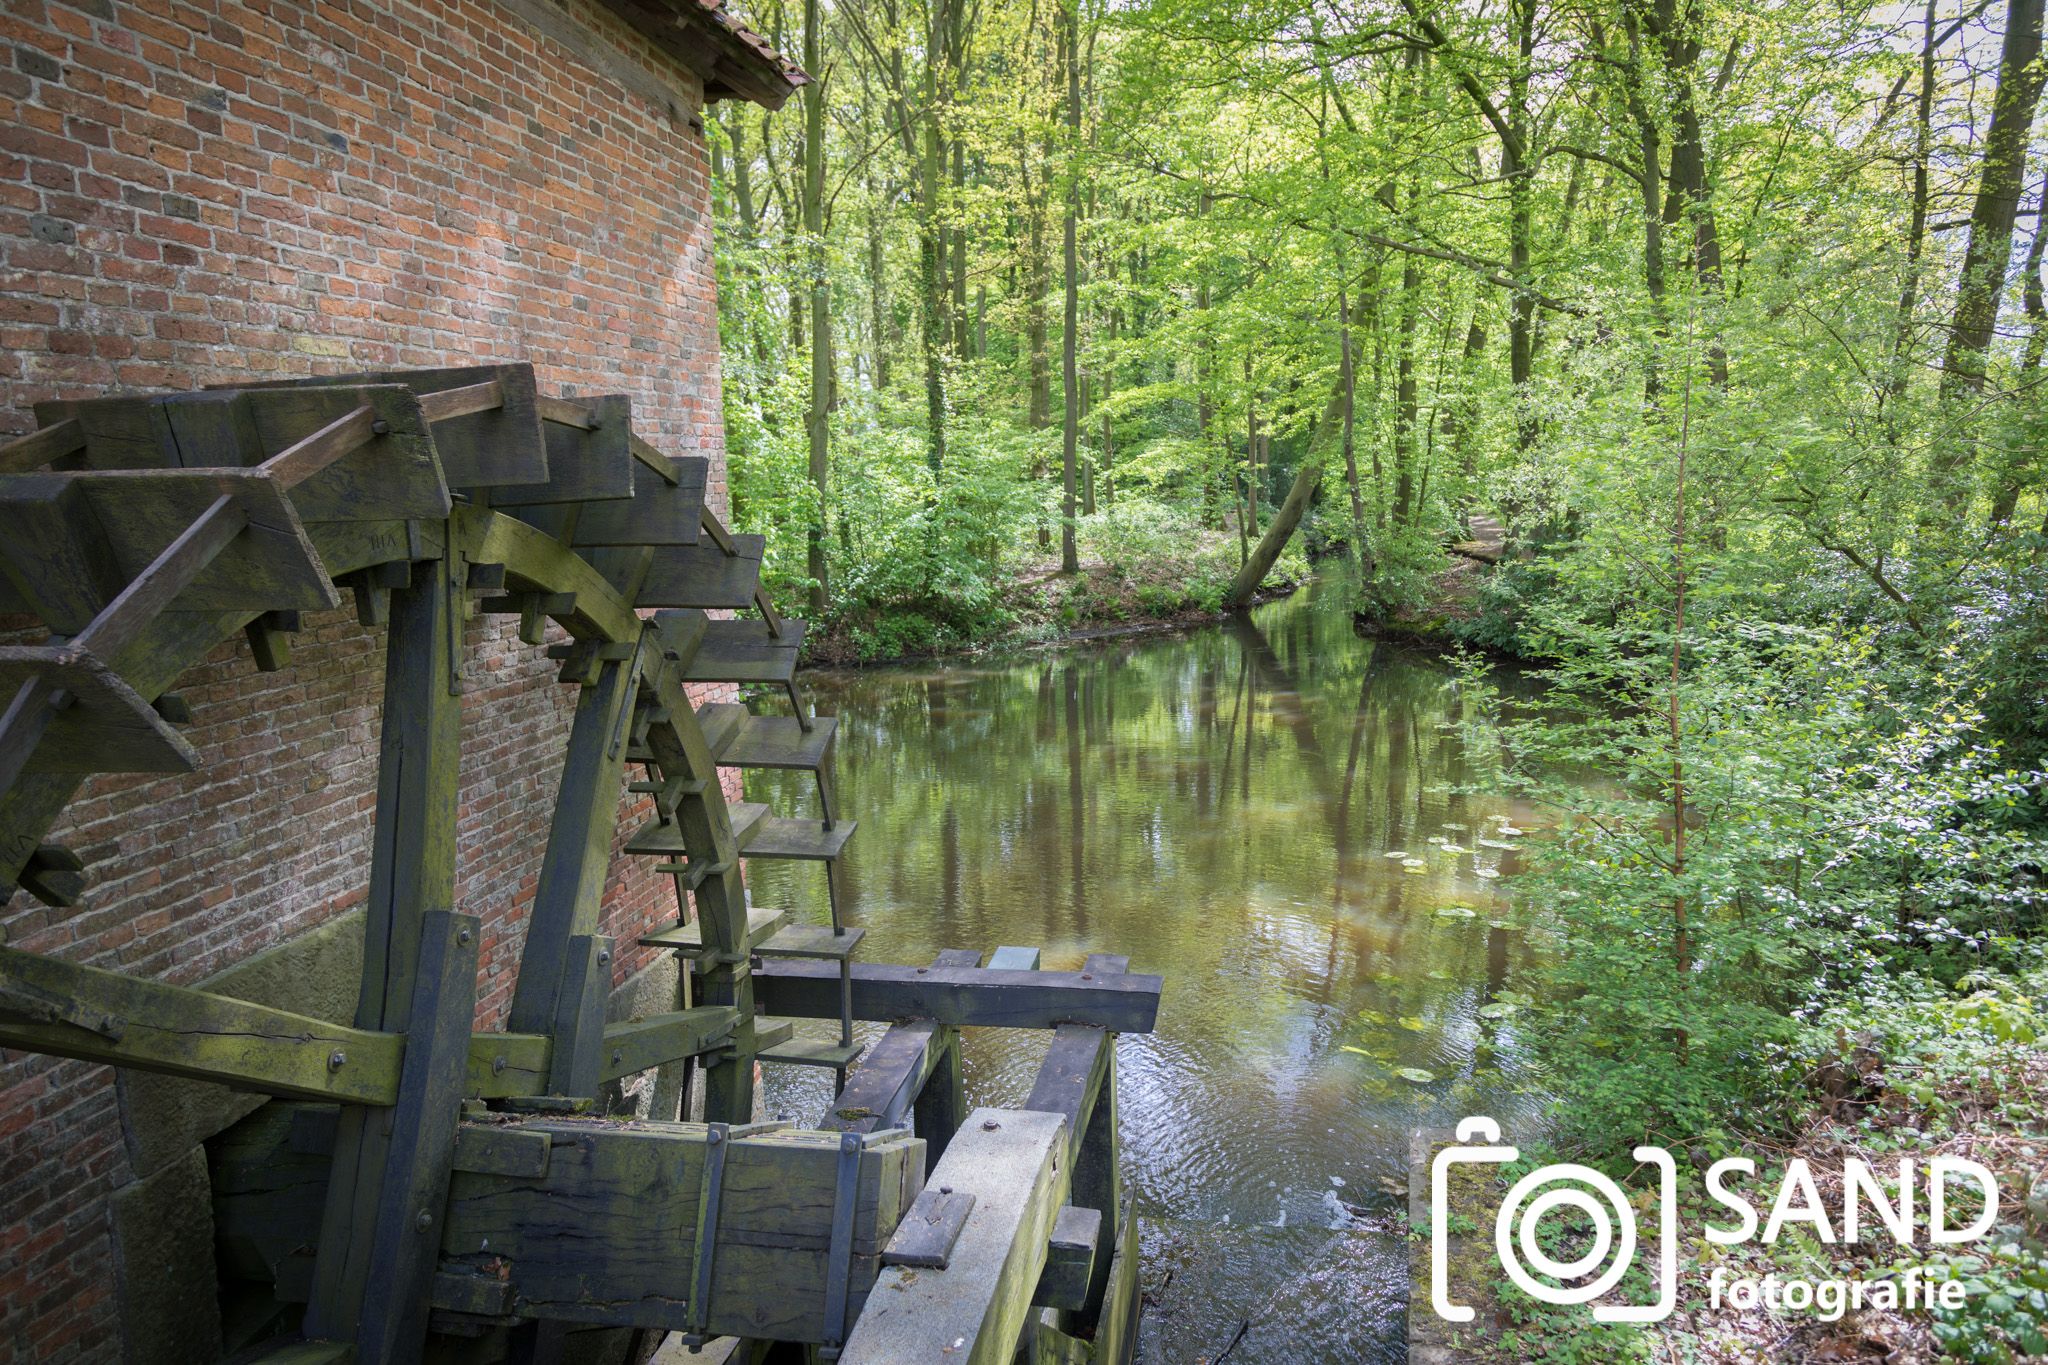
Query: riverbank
[[1040, 606]]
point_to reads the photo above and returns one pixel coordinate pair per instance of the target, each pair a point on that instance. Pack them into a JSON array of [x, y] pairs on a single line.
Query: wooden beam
[[69, 1010], [346, 434], [965, 997], [41, 448], [659, 1039], [412, 870], [443, 404], [609, 1234], [1014, 1164]]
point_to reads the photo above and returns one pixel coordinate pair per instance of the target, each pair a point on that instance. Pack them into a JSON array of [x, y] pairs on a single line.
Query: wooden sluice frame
[[420, 1185]]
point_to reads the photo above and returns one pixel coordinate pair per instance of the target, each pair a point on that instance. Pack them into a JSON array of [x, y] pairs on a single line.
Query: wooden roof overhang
[[732, 60]]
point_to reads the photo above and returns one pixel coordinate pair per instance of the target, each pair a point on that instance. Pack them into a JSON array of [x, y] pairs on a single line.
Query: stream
[[1283, 820]]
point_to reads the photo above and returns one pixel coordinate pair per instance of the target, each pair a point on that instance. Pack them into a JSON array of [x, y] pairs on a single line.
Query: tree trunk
[[1989, 252], [1347, 398], [1070, 561], [1260, 561], [1916, 231], [817, 421]]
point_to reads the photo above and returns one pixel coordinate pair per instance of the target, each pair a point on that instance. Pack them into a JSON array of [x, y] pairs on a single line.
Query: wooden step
[[744, 740], [809, 1051], [776, 836], [393, 477], [688, 939], [590, 454], [811, 940], [704, 575], [742, 651], [657, 512], [772, 1033], [72, 541], [479, 446], [655, 837]]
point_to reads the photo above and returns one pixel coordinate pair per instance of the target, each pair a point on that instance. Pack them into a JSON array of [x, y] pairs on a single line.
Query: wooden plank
[[741, 650], [1015, 959], [1116, 1333], [136, 515], [688, 939], [132, 432], [42, 447], [493, 1149], [588, 457], [704, 576], [963, 997], [658, 1039], [657, 836], [107, 727], [925, 1237], [394, 476], [484, 448], [656, 512], [779, 742], [1073, 1073], [375, 1234], [880, 1094], [971, 1312], [813, 941], [1070, 1259], [69, 1010], [778, 836], [505, 1065], [609, 1234]]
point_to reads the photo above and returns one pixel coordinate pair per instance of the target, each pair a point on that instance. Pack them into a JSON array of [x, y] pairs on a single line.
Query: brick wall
[[192, 192]]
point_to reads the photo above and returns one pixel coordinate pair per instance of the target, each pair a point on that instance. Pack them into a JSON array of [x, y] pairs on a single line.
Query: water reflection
[[1272, 814]]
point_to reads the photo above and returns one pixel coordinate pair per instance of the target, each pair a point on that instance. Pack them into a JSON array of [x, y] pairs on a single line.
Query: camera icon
[[1564, 1185]]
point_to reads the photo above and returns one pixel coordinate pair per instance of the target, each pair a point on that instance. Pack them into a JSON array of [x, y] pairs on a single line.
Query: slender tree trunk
[[930, 258], [1347, 398], [1989, 252], [1070, 561], [1916, 231], [1260, 562], [817, 421]]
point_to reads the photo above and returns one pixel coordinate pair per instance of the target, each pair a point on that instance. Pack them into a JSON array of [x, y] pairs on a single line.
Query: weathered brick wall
[[193, 191]]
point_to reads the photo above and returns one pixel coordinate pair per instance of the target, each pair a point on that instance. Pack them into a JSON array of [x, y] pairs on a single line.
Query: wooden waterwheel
[[418, 1189]]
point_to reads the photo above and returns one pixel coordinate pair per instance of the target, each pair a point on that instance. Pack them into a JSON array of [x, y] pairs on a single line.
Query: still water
[[1290, 824]]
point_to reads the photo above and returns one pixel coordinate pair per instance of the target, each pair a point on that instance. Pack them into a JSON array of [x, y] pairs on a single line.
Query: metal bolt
[[497, 1066], [618, 1057], [716, 1137], [380, 427], [990, 1125], [922, 970], [604, 959], [464, 937], [596, 423], [1086, 977], [424, 1221], [336, 1060], [945, 1189]]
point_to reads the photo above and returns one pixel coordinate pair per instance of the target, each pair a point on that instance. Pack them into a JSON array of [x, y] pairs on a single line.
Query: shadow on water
[[1272, 813]]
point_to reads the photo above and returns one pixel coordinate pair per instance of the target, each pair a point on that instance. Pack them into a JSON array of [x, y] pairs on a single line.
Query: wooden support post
[[942, 1102], [1078, 1080], [552, 989], [380, 1236], [681, 752], [384, 1172]]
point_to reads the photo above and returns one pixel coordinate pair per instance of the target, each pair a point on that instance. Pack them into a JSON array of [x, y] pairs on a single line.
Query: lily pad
[[1509, 831], [1413, 864], [1486, 873], [1397, 853], [1457, 912], [1499, 1009], [1495, 843], [1416, 1075], [1346, 1047]]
